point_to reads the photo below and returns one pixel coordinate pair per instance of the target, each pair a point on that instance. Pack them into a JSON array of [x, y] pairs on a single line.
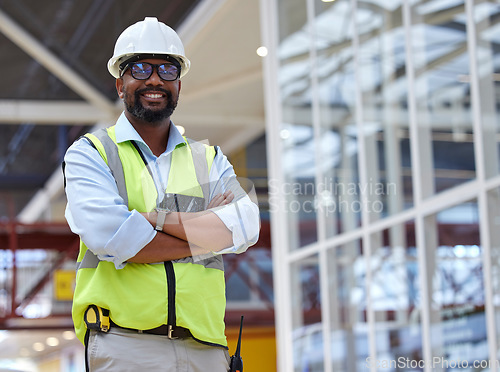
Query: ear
[[179, 89], [119, 88]]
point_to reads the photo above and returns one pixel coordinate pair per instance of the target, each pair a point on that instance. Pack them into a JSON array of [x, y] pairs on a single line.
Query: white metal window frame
[[423, 206]]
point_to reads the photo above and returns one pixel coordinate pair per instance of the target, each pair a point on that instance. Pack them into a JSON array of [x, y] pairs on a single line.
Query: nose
[[154, 79]]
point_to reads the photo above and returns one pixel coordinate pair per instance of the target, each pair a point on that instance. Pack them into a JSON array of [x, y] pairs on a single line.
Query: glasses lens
[[168, 71], [141, 70]]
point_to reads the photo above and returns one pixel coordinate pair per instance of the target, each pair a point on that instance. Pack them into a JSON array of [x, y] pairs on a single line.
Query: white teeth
[[151, 95]]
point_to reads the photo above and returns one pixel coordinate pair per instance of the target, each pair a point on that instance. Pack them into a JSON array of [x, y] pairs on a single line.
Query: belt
[[163, 330]]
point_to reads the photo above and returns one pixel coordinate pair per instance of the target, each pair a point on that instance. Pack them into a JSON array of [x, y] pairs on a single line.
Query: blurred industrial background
[[55, 89], [370, 129]]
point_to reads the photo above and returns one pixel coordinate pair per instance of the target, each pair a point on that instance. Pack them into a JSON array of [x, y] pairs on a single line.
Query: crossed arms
[[187, 234]]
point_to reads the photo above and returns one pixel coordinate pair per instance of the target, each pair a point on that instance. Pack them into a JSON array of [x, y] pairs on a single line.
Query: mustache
[[152, 90]]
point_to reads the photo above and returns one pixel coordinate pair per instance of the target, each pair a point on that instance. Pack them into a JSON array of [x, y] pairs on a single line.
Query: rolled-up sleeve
[[96, 212], [242, 219], [242, 216]]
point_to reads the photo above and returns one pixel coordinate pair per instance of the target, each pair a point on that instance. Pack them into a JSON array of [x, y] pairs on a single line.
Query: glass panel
[[338, 193], [292, 17], [440, 56], [488, 38], [494, 231], [296, 130], [347, 290], [395, 295], [454, 265], [306, 314], [300, 184], [382, 67]]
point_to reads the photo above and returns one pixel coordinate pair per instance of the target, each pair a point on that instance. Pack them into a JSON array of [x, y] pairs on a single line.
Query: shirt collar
[[126, 132]]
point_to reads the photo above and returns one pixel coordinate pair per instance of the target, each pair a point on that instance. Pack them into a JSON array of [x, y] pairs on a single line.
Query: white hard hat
[[149, 37]]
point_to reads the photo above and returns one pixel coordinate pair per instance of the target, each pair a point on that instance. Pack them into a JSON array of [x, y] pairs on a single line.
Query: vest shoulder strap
[[109, 152], [202, 159]]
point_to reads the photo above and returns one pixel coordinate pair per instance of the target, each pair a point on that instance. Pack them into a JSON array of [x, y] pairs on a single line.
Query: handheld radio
[[236, 364]]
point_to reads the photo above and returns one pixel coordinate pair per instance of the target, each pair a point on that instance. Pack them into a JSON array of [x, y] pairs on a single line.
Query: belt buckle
[[170, 331]]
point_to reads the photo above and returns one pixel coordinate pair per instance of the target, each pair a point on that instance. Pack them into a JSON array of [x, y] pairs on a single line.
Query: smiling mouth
[[153, 95]]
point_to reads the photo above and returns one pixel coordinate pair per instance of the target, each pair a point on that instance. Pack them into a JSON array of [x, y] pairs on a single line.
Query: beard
[[148, 115]]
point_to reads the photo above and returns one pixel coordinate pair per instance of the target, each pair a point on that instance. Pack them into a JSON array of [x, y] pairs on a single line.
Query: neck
[[155, 135]]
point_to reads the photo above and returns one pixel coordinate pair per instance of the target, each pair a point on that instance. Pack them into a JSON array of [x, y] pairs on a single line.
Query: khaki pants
[[122, 350]]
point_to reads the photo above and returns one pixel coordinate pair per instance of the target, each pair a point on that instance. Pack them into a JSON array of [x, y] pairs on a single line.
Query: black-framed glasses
[[143, 70]]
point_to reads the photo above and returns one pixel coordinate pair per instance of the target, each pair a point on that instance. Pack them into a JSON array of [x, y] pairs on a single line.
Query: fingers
[[228, 196], [221, 199], [216, 201]]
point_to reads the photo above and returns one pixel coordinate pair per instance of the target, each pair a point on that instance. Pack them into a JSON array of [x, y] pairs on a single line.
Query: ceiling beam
[[224, 84], [51, 112], [52, 189], [196, 22], [243, 138], [39, 203], [51, 62], [224, 121]]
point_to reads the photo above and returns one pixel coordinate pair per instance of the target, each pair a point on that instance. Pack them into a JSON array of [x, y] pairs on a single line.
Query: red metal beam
[[70, 253], [15, 236], [55, 236], [13, 245]]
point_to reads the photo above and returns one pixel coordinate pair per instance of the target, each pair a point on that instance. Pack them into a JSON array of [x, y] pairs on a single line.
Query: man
[[155, 212]]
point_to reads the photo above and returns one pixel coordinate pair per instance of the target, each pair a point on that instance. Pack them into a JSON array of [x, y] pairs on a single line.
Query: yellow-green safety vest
[[187, 293]]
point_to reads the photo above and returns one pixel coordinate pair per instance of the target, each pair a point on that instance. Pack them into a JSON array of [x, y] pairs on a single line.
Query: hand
[[221, 199]]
